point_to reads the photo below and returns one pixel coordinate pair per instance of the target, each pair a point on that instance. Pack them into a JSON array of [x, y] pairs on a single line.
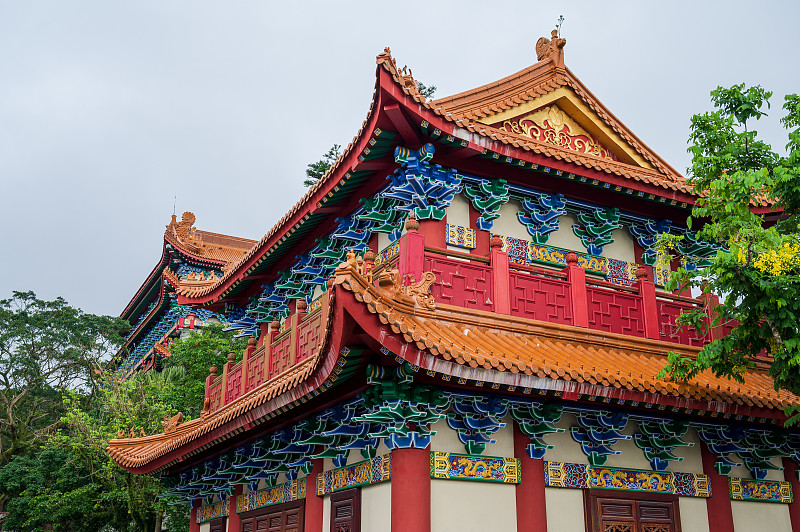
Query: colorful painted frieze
[[378, 469], [746, 489], [207, 512], [463, 237], [292, 490], [565, 475], [387, 254], [453, 466], [631, 479], [581, 476], [316, 305]]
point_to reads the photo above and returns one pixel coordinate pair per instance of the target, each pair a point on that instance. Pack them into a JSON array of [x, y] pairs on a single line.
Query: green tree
[[426, 90], [46, 347], [316, 170], [736, 174], [193, 356]]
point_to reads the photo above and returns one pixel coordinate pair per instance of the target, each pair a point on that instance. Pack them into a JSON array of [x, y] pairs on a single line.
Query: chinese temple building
[[459, 328]]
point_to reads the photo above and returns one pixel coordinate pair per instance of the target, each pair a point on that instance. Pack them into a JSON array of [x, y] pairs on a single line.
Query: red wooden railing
[[279, 351], [476, 281]]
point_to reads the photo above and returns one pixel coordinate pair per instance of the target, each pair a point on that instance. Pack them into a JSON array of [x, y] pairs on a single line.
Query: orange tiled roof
[[467, 339], [481, 339], [206, 245], [664, 177], [466, 108]]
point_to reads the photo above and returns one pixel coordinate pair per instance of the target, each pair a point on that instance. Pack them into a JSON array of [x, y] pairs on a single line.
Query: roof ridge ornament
[[185, 232], [552, 49]]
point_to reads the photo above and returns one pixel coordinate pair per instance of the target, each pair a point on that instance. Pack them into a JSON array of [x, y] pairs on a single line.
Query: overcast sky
[[108, 110]]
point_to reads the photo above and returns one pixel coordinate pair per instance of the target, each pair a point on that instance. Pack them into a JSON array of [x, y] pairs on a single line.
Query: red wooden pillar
[[313, 510], [790, 476], [412, 252], [647, 291], [434, 232], [411, 490], [501, 277], [194, 526], [720, 514], [234, 521], [577, 279], [531, 506]]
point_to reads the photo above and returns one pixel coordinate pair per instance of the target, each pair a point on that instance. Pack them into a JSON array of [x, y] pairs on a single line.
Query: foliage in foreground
[[760, 277]]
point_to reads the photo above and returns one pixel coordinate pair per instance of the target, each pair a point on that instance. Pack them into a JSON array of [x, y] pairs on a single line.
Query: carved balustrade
[[281, 348]]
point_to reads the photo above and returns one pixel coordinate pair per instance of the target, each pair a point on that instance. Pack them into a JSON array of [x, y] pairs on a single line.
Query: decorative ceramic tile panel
[[372, 471], [692, 485], [286, 492], [745, 489], [621, 272], [387, 253], [453, 466], [207, 512], [316, 304], [567, 475], [460, 236], [631, 479]]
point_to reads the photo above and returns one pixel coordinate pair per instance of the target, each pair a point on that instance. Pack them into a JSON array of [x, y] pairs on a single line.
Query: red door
[[280, 518]]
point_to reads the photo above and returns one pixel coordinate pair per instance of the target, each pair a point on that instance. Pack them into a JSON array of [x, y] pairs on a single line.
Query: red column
[[501, 277], [647, 291], [194, 526], [720, 515], [531, 506], [790, 475], [481, 237], [577, 278], [412, 253], [313, 518], [234, 521], [411, 490]]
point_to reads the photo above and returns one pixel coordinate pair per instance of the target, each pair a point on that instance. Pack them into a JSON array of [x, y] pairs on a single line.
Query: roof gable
[[504, 102]]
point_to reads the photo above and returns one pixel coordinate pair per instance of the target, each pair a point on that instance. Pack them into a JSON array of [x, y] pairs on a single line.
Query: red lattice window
[[346, 511], [631, 512]]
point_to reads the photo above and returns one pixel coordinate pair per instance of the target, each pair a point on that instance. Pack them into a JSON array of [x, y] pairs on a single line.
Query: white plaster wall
[[446, 440], [376, 508], [508, 223], [326, 514], [383, 241], [630, 455], [458, 211], [470, 506], [206, 527], [564, 237], [743, 472], [565, 448], [694, 514], [692, 459], [565, 510], [749, 516], [622, 246]]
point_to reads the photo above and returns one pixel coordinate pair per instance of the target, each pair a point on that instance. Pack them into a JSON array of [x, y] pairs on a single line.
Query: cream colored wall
[[694, 514], [508, 223], [692, 460], [749, 516], [376, 508], [565, 448], [743, 472], [564, 237], [206, 527], [622, 246], [383, 241], [446, 440], [326, 514], [458, 211], [469, 506], [565, 510], [630, 455]]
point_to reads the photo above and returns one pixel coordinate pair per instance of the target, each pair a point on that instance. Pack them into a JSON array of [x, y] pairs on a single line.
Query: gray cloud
[[109, 109]]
